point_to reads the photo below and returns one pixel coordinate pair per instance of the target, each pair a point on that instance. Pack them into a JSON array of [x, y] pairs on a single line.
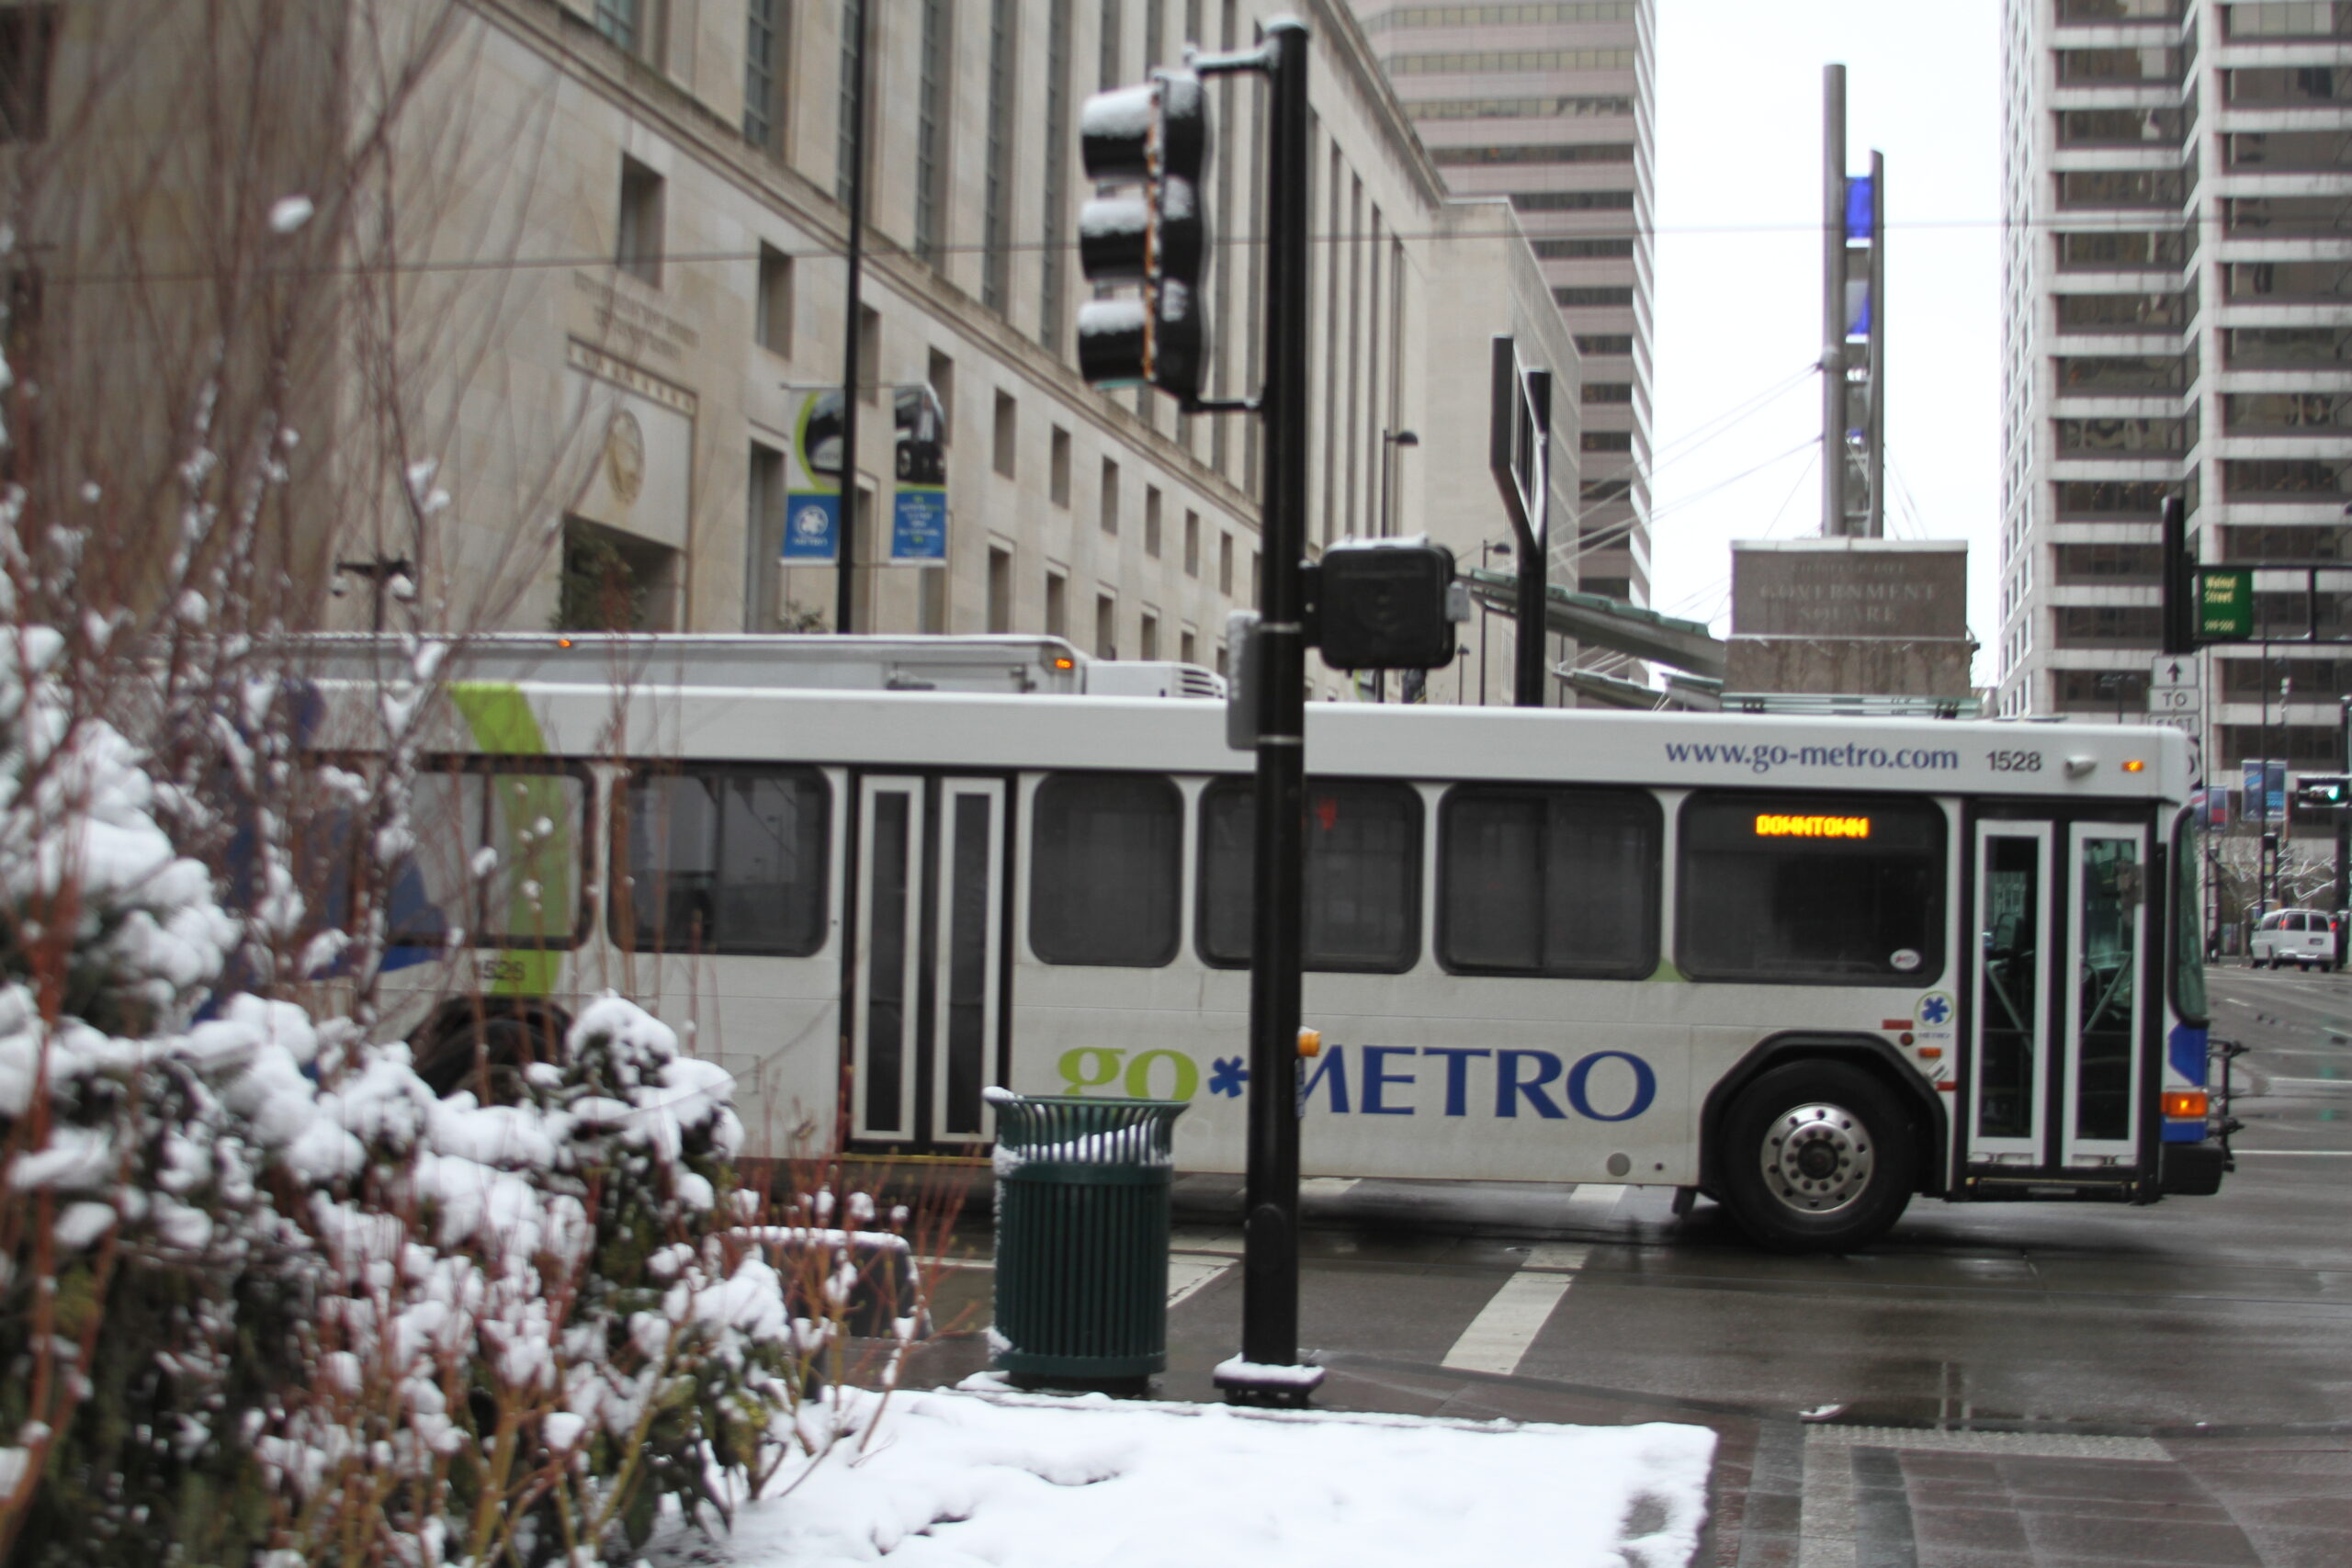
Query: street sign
[[2172, 671], [2224, 604], [2181, 701]]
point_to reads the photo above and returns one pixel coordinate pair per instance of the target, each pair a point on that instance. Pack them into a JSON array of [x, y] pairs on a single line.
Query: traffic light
[[2321, 791], [1155, 136]]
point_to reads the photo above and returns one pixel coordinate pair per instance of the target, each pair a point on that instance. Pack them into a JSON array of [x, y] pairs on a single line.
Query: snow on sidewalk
[[956, 1479]]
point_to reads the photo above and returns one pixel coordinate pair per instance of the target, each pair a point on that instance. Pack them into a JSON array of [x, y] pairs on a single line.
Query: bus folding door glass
[[1364, 863], [2187, 920], [2110, 881], [2011, 1002], [1811, 890], [1549, 882], [532, 897], [725, 862], [1106, 869]]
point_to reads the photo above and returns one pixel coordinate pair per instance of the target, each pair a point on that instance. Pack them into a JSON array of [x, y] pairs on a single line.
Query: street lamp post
[[1500, 547]]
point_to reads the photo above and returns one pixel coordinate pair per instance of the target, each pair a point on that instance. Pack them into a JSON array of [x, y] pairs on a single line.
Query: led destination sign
[[1777, 824]]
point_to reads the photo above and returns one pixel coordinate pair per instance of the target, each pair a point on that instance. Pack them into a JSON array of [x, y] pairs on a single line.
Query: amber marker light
[[2135, 766], [1065, 662], [2184, 1104], [563, 642], [1310, 1042]]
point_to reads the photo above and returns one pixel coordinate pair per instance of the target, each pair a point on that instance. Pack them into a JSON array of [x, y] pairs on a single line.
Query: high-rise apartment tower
[[2178, 302], [1552, 105]]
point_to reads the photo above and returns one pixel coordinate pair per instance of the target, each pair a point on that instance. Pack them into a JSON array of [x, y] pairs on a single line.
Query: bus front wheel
[[1816, 1158]]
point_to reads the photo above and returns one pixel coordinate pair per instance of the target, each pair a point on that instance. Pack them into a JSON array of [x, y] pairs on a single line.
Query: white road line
[[1594, 1199], [1555, 1257], [1189, 1276], [1502, 1331]]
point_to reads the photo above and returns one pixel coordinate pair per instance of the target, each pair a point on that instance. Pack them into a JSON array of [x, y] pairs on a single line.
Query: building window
[[2151, 63], [1192, 544], [869, 354], [941, 372], [1607, 344], [2286, 347], [1106, 870], [28, 43], [1536, 152], [1057, 605], [1007, 435], [2081, 436], [1572, 200], [1586, 108], [723, 860], [2109, 625], [1568, 295], [1058, 473], [764, 532], [772, 309], [639, 250], [1148, 637], [621, 22], [1109, 516], [2285, 413], [2289, 84], [1605, 392], [999, 589], [2324, 280], [2098, 500], [2288, 18], [848, 128], [613, 581], [763, 25], [1151, 520], [2124, 313], [2284, 480], [2109, 251], [996, 264], [1514, 60], [2286, 216], [936, 73], [1225, 566], [1605, 441], [931, 606], [1106, 626], [2319, 151], [2119, 127], [1581, 249], [2120, 187], [1522, 15], [1054, 197], [2110, 566]]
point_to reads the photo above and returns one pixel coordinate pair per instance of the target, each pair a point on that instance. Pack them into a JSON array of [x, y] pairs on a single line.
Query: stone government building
[[664, 184]]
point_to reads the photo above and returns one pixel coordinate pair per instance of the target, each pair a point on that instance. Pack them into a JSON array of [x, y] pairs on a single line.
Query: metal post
[[2263, 858], [1832, 300], [845, 560], [1534, 547], [1269, 1254], [2343, 829], [1876, 435]]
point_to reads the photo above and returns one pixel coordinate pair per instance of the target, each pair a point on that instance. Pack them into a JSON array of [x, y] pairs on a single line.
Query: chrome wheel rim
[[1816, 1158]]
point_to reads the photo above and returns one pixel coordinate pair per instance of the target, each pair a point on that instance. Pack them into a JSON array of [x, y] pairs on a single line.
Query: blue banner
[[812, 526], [918, 526], [1858, 209]]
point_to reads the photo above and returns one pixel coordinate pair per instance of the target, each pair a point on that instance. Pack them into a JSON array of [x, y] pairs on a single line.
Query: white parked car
[[2294, 936]]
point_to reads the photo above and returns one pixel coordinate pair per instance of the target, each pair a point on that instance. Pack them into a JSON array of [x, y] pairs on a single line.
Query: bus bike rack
[[2222, 1124]]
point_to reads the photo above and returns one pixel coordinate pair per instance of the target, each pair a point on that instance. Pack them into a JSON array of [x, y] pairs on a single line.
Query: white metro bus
[[1810, 967]]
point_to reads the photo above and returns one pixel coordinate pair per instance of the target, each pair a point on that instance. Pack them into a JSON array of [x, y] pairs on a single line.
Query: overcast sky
[[1738, 297]]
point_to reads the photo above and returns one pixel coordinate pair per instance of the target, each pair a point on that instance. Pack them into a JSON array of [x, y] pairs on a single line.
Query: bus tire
[[1816, 1158], [482, 1056]]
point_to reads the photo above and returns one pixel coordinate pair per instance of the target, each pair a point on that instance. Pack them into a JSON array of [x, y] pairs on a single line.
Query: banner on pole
[[919, 514], [812, 515]]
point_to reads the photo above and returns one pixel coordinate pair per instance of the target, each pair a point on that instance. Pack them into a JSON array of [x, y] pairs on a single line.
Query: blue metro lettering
[[1644, 1087], [1376, 1078], [1332, 1064], [1507, 1084], [1457, 1073]]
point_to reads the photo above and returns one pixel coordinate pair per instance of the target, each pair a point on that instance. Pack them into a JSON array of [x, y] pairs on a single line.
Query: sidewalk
[[1787, 1492]]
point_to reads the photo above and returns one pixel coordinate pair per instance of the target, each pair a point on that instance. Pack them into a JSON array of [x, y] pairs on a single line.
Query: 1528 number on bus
[[2015, 761]]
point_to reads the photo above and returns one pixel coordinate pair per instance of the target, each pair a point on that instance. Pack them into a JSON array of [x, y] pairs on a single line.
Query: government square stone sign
[[1893, 588]]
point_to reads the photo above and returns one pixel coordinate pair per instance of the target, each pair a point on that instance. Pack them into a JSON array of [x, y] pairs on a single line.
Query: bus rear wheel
[[1816, 1158]]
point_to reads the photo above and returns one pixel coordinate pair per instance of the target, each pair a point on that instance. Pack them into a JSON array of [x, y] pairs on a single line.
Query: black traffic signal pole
[[2343, 828], [1270, 1244], [845, 551]]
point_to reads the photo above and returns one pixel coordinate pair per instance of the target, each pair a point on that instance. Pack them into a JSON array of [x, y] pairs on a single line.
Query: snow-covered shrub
[[262, 1290]]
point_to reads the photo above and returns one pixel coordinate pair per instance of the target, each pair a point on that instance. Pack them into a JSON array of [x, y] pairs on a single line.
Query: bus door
[[926, 969], [2058, 1020]]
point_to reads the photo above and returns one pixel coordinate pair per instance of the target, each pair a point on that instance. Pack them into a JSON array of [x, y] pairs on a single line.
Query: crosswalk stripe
[[1190, 1275], [1508, 1323]]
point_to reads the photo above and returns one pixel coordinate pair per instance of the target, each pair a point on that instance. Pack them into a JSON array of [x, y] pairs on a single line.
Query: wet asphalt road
[[2228, 1313], [1993, 1386]]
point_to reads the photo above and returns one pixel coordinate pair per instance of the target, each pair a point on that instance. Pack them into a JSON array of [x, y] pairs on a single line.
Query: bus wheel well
[[1929, 1121], [468, 1037]]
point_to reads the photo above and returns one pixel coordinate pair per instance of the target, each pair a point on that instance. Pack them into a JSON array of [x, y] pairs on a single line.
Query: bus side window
[[1106, 869], [722, 859], [1537, 881], [1811, 890], [1363, 875], [525, 891]]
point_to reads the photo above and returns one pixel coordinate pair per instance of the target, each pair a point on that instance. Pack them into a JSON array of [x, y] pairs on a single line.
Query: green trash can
[[1082, 1237]]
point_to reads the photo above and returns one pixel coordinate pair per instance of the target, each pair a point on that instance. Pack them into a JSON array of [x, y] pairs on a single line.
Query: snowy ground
[[983, 1476]]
